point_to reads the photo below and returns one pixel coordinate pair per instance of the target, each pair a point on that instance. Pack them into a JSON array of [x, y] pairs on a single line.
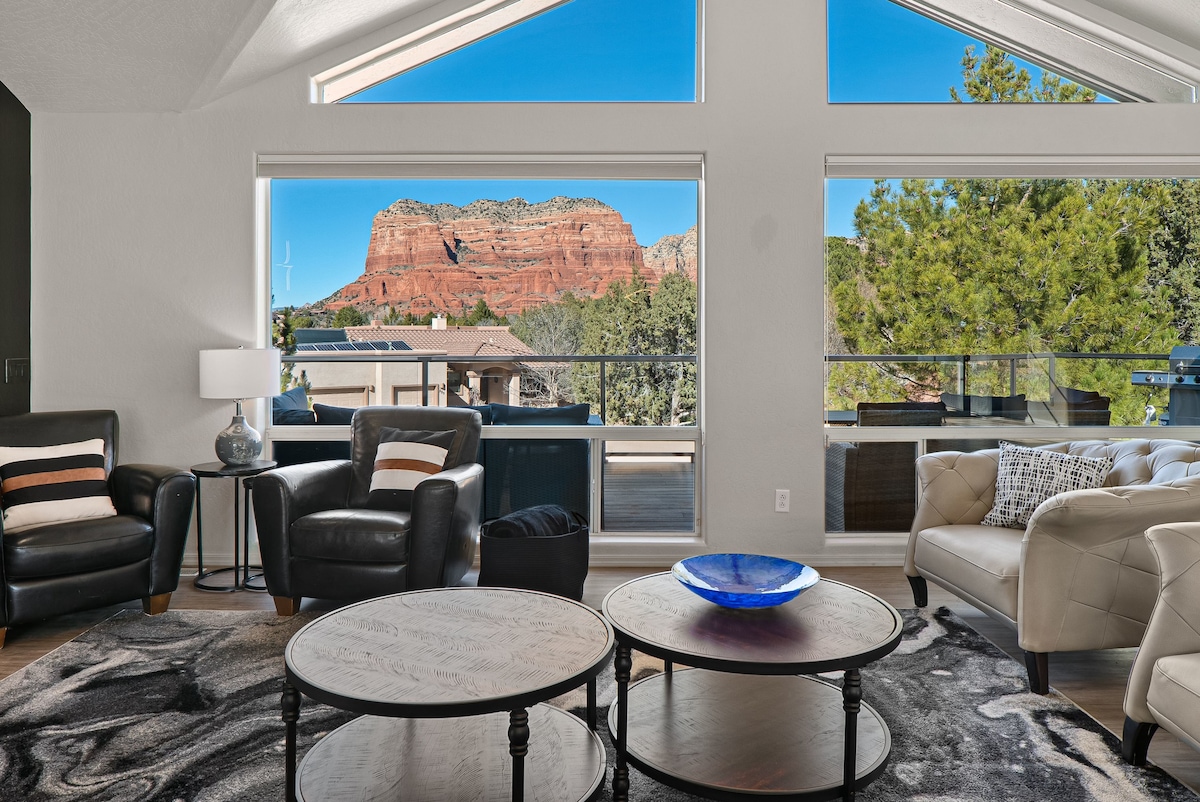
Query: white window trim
[[473, 23]]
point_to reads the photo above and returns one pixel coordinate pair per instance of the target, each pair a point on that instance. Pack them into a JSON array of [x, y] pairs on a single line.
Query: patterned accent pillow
[[1028, 476], [51, 484], [405, 458]]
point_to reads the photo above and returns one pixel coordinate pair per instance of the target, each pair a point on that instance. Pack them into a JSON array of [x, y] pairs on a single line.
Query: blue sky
[[585, 50], [597, 50]]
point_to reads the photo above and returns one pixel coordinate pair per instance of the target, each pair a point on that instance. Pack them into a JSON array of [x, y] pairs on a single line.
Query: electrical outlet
[[783, 500]]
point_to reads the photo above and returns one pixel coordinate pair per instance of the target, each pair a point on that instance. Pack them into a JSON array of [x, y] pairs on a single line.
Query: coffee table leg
[[290, 704], [591, 704], [518, 747], [623, 662], [851, 697]]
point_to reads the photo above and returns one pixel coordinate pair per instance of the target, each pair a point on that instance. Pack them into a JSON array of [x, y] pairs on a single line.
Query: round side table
[[241, 525]]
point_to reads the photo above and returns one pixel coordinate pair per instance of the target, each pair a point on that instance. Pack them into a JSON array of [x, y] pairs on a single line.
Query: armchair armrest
[[445, 525], [164, 496], [955, 487], [283, 495], [1174, 626], [1087, 572]]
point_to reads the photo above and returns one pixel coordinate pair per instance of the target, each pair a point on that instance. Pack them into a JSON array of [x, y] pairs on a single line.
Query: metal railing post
[[603, 394], [425, 382]]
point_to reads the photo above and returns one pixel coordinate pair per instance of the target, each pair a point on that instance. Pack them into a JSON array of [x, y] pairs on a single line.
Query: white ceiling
[[174, 55]]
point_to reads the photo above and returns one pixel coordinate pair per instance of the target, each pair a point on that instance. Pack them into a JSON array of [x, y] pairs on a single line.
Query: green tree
[[481, 315], [1174, 254], [348, 316], [630, 319], [995, 78], [1003, 266], [283, 337], [552, 329]]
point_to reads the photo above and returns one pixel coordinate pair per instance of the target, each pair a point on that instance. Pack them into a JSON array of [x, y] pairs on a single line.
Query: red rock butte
[[442, 258]]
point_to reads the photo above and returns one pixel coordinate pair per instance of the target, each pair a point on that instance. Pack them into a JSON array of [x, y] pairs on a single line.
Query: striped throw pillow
[[405, 458], [50, 484]]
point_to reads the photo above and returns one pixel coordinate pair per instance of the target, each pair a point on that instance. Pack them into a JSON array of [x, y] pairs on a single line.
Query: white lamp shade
[[239, 372]]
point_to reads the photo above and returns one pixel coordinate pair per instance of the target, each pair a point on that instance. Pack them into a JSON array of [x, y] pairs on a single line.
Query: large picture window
[[995, 308], [567, 300]]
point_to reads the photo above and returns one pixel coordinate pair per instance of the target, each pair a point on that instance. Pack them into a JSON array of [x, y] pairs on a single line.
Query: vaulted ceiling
[[175, 55]]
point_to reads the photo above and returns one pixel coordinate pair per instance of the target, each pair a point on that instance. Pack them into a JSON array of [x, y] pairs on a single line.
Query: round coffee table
[[743, 721], [417, 664]]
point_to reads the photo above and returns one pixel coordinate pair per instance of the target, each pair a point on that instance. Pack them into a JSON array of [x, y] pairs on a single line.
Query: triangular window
[[533, 51], [917, 51]]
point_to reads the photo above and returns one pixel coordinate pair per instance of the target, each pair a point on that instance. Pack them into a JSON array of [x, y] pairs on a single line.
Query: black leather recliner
[[318, 538], [69, 566]]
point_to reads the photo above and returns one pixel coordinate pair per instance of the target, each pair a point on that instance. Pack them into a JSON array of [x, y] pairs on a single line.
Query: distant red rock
[[443, 258]]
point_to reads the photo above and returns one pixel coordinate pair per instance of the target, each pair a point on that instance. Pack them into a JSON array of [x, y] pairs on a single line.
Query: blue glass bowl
[[744, 580]]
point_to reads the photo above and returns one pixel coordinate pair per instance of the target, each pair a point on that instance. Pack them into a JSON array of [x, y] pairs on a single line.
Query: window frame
[[579, 166]]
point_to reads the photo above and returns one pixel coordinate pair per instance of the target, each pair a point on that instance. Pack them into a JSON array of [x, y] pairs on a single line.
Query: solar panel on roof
[[400, 345], [362, 346], [343, 346]]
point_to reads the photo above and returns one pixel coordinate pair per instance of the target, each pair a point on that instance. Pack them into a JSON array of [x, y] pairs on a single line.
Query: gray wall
[[14, 251], [144, 246]]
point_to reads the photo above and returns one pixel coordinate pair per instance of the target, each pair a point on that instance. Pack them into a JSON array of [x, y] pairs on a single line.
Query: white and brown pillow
[[1028, 476], [49, 484], [404, 459]]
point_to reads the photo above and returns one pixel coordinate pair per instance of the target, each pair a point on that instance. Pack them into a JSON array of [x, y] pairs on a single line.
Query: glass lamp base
[[238, 443]]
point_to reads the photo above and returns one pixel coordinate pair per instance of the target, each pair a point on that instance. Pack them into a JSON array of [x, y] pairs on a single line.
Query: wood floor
[[1093, 680]]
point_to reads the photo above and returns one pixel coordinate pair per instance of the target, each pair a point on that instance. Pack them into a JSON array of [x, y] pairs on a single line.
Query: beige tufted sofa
[[1164, 683], [1080, 575]]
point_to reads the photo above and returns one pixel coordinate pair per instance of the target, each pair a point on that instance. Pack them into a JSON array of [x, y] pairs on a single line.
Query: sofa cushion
[[572, 415], [1174, 695], [333, 416], [404, 459], [345, 535], [50, 484], [1028, 476], [983, 562]]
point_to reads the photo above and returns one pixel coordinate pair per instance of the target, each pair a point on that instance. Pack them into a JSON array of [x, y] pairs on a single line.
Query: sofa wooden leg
[[154, 605], [286, 605], [1038, 666], [1135, 741], [3, 632], [920, 590]]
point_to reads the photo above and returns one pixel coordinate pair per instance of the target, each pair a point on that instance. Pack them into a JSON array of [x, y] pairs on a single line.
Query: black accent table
[[241, 524]]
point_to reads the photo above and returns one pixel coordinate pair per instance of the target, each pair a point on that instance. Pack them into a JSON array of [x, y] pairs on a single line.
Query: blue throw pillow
[[295, 398]]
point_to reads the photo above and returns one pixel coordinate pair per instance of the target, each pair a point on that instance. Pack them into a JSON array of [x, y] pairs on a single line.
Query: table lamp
[[239, 373]]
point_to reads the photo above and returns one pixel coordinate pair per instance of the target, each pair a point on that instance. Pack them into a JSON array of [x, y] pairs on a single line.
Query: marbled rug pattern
[[185, 707]]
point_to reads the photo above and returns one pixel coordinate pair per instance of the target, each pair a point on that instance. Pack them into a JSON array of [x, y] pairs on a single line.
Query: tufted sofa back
[[1139, 462]]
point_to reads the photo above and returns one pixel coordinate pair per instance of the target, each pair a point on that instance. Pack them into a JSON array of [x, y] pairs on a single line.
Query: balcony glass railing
[[882, 410], [639, 464]]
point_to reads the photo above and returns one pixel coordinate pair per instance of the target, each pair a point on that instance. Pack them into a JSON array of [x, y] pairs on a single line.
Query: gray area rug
[[185, 706]]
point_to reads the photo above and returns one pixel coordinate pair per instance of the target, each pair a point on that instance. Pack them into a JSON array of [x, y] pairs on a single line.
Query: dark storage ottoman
[[538, 548]]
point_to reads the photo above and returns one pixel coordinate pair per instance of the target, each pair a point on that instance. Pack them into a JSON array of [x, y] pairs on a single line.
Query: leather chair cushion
[[1174, 695], [76, 547], [352, 535], [982, 560]]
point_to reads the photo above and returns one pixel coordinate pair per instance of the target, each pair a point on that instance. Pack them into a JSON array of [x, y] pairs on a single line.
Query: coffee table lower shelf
[[452, 759], [736, 736]]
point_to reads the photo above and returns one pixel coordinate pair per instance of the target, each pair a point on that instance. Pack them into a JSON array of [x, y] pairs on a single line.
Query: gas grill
[[1183, 382]]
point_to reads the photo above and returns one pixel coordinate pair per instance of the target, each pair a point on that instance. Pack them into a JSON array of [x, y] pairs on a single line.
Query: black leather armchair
[[65, 567], [318, 538]]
